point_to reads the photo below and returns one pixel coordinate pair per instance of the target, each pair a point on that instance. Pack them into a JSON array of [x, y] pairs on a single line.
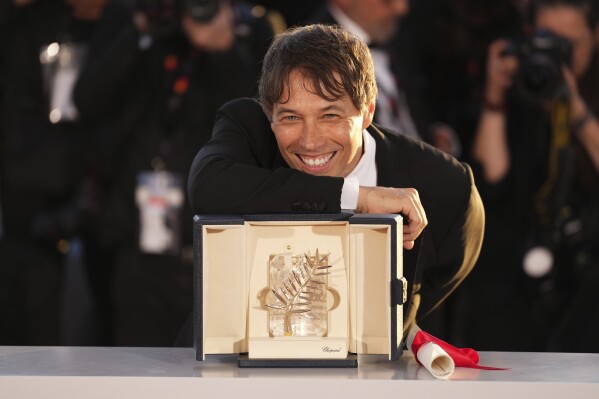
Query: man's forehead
[[299, 82]]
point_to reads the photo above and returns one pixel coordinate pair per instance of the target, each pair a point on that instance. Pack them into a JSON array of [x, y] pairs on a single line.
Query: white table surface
[[110, 372]]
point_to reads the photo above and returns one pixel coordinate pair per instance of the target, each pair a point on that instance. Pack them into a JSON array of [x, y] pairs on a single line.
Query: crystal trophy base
[[296, 302]]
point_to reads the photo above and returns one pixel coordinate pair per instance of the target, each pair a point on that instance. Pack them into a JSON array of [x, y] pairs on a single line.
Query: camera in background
[[163, 16], [542, 56], [201, 10]]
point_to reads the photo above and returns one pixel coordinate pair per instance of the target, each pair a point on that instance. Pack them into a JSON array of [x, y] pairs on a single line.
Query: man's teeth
[[317, 161]]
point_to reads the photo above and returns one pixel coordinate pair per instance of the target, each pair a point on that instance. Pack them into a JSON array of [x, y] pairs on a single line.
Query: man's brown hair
[[318, 52]]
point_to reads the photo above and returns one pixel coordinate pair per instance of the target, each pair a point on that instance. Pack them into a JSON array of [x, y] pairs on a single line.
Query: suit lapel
[[392, 159]]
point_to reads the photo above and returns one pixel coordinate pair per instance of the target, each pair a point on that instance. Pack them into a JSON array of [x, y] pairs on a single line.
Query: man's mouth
[[317, 161]]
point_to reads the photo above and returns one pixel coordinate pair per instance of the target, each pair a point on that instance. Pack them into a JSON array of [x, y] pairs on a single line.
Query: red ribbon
[[462, 357]]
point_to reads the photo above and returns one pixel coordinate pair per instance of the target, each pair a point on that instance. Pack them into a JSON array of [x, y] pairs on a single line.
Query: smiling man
[[318, 136], [309, 146]]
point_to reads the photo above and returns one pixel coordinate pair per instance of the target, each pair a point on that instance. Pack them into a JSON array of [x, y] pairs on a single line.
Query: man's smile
[[316, 161]]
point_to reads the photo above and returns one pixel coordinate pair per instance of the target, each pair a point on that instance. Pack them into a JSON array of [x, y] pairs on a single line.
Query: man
[[310, 147]]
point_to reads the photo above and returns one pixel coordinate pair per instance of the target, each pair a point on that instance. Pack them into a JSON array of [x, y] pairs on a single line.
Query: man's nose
[[311, 136]]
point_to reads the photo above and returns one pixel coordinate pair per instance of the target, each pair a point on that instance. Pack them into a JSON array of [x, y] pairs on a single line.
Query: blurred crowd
[[104, 104]]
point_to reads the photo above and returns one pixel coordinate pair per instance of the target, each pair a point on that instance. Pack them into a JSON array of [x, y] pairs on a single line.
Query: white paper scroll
[[432, 357]]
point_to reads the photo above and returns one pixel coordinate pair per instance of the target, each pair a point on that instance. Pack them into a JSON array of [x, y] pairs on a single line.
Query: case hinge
[[399, 291]]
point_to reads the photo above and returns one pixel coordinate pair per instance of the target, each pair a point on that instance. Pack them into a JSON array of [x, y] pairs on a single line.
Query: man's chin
[[316, 171]]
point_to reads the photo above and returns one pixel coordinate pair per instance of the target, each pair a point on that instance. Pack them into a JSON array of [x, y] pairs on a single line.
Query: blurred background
[[104, 104]]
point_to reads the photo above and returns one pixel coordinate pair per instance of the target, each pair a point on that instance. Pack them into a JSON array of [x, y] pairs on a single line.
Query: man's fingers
[[416, 219], [416, 216], [405, 201], [414, 210], [411, 233]]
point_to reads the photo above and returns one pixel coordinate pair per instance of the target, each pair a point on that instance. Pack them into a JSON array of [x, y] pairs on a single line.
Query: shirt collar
[[365, 170]]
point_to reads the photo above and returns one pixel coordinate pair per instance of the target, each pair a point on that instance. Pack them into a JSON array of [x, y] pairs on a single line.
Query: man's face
[[318, 136], [379, 18]]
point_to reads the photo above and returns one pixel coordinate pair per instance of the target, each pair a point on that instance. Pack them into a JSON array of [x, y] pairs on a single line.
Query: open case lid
[[397, 293], [199, 221], [233, 229]]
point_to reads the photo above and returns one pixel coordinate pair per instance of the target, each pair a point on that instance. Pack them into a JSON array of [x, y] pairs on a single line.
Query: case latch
[[399, 291]]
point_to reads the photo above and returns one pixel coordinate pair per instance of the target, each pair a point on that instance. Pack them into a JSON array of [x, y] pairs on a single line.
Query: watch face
[[297, 300]]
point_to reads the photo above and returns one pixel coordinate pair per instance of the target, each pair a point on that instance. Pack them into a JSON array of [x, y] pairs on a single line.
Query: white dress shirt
[[364, 174]]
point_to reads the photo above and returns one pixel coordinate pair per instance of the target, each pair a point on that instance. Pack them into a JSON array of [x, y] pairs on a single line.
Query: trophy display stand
[[298, 290]]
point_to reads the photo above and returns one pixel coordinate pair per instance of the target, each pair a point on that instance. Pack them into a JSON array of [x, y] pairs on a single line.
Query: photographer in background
[[44, 169], [537, 149], [153, 88]]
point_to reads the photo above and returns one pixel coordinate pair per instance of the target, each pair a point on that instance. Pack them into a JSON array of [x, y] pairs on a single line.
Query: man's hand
[[395, 200]]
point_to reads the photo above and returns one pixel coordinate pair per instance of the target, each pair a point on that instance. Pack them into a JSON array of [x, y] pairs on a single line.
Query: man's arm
[[240, 171], [237, 170], [457, 251]]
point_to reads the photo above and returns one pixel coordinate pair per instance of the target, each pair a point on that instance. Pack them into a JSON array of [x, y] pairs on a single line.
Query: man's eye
[[290, 118]]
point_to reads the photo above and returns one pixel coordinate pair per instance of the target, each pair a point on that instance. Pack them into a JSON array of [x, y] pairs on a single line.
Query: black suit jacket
[[240, 170]]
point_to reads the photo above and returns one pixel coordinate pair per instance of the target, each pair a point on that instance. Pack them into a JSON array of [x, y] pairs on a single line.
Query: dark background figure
[[403, 99], [536, 152], [449, 40], [153, 88], [446, 42], [44, 168]]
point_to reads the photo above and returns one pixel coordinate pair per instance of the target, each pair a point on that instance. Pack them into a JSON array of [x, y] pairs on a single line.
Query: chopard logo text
[[330, 350]]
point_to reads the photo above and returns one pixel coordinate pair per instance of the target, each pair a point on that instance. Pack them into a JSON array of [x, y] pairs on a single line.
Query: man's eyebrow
[[331, 107], [279, 110]]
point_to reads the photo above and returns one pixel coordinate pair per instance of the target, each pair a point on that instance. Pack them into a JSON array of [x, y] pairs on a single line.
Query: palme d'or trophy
[[299, 286]]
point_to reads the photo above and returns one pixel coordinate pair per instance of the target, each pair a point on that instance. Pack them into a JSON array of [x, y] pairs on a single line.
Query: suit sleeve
[[457, 250], [235, 171]]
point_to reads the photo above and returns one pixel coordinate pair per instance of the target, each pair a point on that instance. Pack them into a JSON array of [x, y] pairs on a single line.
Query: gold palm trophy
[[299, 285]]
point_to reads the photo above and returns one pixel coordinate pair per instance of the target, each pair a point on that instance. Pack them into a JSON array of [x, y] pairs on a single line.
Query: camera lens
[[540, 76], [542, 57]]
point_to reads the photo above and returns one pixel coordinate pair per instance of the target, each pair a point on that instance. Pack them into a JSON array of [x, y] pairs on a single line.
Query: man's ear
[[368, 115]]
